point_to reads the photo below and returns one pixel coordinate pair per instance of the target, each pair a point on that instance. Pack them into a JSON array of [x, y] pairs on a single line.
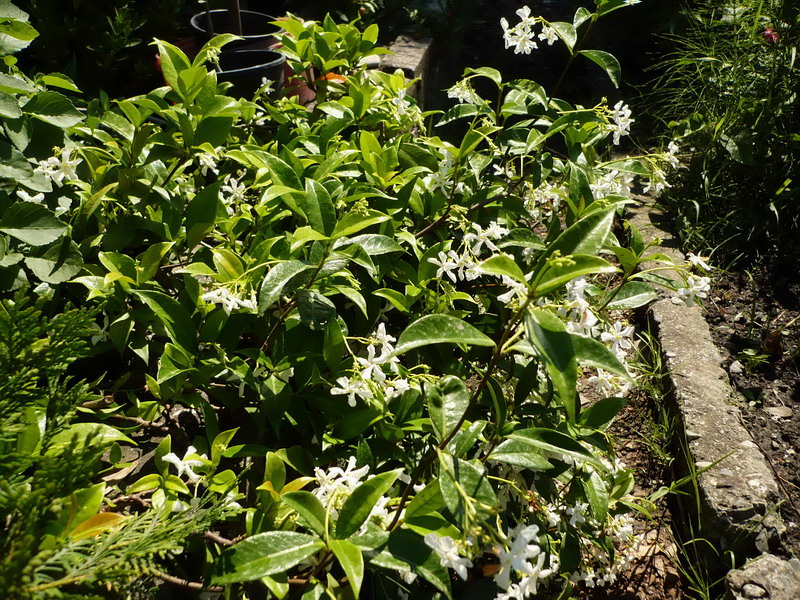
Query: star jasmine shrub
[[387, 360]]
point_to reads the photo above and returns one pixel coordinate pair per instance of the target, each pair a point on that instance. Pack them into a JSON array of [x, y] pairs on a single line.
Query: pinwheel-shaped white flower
[[187, 464]]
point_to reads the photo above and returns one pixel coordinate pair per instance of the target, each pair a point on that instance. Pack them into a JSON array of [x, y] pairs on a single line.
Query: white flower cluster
[[233, 191], [577, 311], [525, 559], [336, 484], [612, 182], [540, 202], [695, 287], [522, 36], [449, 553], [59, 168], [371, 380], [463, 92], [620, 121], [230, 301]]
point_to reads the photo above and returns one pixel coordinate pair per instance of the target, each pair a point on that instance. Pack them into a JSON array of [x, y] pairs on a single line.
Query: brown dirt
[[755, 322], [655, 574]]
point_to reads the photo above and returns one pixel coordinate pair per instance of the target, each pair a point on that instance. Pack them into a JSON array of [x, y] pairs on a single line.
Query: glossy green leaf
[[410, 548], [520, 454], [550, 337], [439, 329], [502, 264], [633, 294], [555, 442], [174, 316], [607, 62], [283, 278], [600, 414], [83, 434], [591, 353], [315, 310], [172, 61], [567, 33], [57, 263], [584, 237], [32, 223], [447, 401], [264, 554], [427, 501], [318, 208], [150, 261], [352, 561], [53, 108], [310, 509], [359, 504], [356, 220], [564, 269], [465, 482]]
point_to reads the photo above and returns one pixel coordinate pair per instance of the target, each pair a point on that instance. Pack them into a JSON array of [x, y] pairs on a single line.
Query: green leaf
[[550, 440], [584, 237], [464, 483], [409, 548], [150, 261], [447, 402], [13, 84], [520, 454], [201, 214], [459, 111], [549, 335], [352, 561], [14, 165], [281, 172], [600, 414], [487, 72], [632, 295], [356, 220], [173, 61], [318, 208], [310, 509], [359, 504], [53, 108], [264, 554], [60, 80], [9, 107], [607, 62], [439, 329], [83, 434], [502, 264], [315, 310], [427, 501], [567, 33], [32, 223], [57, 263], [596, 492], [372, 243], [175, 318], [564, 269], [283, 278], [592, 353]]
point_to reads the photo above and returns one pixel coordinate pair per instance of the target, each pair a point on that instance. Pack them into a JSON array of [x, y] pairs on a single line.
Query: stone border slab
[[739, 492], [413, 57], [767, 578]]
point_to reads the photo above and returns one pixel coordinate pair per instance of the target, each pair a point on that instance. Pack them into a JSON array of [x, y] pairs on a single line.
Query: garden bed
[[754, 321]]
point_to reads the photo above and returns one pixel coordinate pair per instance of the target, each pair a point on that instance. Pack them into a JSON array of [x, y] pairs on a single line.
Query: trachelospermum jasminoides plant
[[363, 343]]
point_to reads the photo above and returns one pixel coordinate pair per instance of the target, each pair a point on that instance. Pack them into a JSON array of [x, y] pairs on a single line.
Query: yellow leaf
[[96, 524]]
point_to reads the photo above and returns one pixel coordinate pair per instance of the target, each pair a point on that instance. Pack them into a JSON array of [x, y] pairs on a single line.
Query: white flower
[[548, 33], [60, 168], [699, 261], [576, 513], [266, 86], [400, 103], [336, 484], [517, 558], [384, 339], [447, 264], [463, 92], [230, 301], [351, 388], [604, 382], [671, 155], [234, 191], [696, 287], [445, 547], [493, 232], [26, 197], [621, 116], [526, 20], [64, 204], [187, 464], [618, 337], [207, 163]]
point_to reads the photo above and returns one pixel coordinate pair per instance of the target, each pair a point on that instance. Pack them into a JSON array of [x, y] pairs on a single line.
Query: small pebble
[[781, 412], [736, 368]]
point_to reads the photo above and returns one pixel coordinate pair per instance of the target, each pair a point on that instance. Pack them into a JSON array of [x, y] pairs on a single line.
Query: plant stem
[[572, 56]]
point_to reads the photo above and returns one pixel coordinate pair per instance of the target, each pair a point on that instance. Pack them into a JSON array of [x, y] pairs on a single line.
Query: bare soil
[[755, 322]]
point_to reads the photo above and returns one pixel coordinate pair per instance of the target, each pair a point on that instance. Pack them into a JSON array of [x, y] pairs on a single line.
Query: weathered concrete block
[[765, 578], [739, 494], [413, 57]]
